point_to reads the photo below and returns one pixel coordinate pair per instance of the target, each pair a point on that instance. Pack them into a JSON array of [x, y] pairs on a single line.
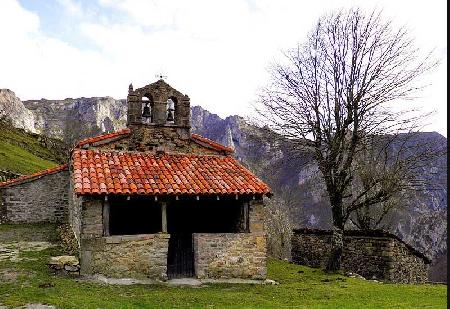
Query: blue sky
[[217, 52]]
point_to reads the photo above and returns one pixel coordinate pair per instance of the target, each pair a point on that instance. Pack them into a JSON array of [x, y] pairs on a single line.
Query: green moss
[[299, 287]]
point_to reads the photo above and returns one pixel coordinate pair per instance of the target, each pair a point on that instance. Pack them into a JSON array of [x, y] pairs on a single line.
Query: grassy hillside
[[28, 280], [24, 153]]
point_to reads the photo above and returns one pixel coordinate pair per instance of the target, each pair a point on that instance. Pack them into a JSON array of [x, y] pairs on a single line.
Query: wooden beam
[[246, 217], [106, 218], [164, 217]]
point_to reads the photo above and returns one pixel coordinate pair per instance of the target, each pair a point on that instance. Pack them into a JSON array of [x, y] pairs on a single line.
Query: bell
[[146, 113], [170, 109]]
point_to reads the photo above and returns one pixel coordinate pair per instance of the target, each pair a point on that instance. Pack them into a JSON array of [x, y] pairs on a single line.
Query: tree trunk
[[337, 245], [337, 237]]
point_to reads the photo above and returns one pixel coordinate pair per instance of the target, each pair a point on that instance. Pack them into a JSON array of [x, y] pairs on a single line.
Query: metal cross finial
[[160, 76]]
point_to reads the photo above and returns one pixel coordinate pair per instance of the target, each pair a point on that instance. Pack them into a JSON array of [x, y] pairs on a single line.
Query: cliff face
[[56, 118], [14, 110], [291, 173]]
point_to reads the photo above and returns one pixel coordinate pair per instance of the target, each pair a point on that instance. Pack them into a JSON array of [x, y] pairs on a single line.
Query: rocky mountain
[[289, 171], [12, 108]]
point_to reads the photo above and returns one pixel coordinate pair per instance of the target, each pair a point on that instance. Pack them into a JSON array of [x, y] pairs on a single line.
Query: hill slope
[[23, 152]]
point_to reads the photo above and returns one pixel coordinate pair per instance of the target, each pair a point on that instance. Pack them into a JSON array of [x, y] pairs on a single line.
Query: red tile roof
[[34, 176], [112, 172], [210, 143], [103, 137]]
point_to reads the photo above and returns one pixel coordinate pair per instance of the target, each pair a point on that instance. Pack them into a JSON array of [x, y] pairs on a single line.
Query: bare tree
[[335, 90]]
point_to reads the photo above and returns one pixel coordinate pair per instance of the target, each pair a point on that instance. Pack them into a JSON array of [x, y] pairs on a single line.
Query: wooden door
[[180, 259]]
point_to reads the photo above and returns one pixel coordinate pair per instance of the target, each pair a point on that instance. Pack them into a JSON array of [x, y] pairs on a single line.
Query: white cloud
[[215, 51], [71, 7]]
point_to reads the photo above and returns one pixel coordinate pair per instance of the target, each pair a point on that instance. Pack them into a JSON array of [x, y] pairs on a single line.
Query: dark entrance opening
[[135, 216], [189, 216]]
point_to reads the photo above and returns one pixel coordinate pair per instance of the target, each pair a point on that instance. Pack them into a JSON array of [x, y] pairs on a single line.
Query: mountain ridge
[[292, 176]]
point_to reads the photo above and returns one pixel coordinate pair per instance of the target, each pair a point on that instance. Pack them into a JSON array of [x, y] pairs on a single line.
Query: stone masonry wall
[[128, 256], [166, 138], [310, 249], [40, 200], [373, 257], [368, 256], [91, 218], [152, 138], [256, 216], [407, 267], [240, 255], [234, 255], [75, 206]]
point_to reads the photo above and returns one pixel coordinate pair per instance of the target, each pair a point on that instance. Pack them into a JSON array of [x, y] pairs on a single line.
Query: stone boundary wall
[[229, 255], [44, 199], [129, 256], [74, 213], [371, 254], [407, 267]]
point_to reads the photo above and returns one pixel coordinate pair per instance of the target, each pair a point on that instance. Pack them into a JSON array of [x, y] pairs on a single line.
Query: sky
[[217, 52]]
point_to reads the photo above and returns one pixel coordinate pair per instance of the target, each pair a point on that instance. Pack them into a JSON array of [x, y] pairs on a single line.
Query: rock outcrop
[[14, 110]]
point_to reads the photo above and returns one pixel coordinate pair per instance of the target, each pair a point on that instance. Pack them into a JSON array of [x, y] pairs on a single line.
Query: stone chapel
[[151, 201]]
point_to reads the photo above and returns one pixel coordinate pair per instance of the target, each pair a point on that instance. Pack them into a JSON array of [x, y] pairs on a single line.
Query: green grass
[[24, 153], [16, 159], [299, 287]]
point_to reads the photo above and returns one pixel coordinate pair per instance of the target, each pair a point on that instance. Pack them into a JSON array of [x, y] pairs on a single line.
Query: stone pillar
[[184, 112], [164, 217], [134, 109], [160, 112], [256, 216]]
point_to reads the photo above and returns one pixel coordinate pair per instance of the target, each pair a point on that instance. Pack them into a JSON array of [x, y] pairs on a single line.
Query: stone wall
[[371, 254], [91, 218], [227, 255], [407, 267], [234, 255], [75, 206], [44, 199], [169, 138], [152, 138], [256, 216], [310, 249], [128, 256]]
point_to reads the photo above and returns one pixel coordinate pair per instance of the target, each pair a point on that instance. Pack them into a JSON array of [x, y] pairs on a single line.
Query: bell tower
[[157, 115]]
